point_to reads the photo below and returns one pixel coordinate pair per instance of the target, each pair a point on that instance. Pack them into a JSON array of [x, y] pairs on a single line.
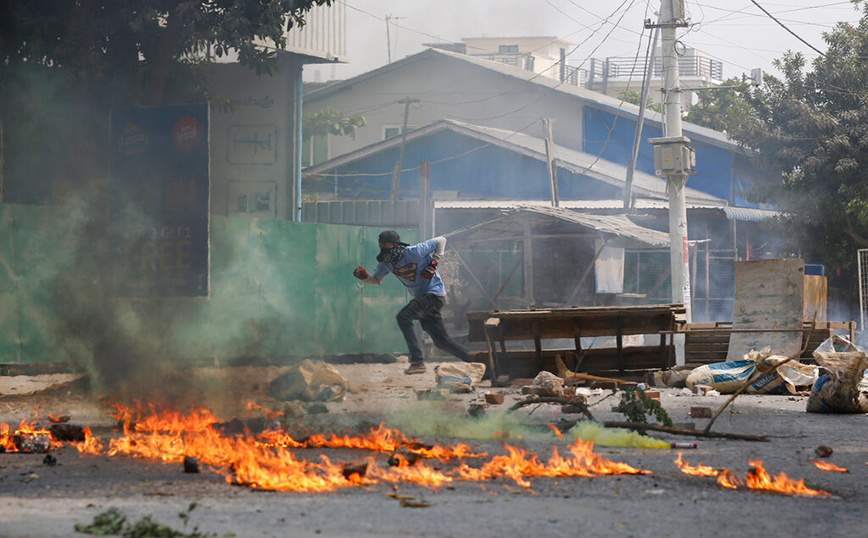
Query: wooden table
[[497, 327]]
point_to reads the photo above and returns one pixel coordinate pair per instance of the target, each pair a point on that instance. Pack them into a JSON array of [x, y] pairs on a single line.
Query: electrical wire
[[797, 36]]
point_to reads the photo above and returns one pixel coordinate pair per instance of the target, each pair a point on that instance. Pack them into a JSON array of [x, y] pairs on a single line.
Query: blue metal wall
[[489, 172], [718, 169]]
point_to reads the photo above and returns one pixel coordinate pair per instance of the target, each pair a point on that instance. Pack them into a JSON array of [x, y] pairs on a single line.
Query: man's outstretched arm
[[373, 280], [439, 247]]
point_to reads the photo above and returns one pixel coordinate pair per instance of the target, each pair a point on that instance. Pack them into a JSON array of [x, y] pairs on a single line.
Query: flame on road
[[756, 478], [24, 430], [698, 470], [270, 460], [829, 466]]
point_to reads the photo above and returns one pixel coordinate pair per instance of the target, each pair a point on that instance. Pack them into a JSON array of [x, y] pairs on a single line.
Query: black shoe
[[415, 368]]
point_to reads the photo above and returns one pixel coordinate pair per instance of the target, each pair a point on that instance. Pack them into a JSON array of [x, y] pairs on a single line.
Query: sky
[[736, 32]]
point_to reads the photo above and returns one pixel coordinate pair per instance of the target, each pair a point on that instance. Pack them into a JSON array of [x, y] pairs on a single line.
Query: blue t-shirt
[[409, 270]]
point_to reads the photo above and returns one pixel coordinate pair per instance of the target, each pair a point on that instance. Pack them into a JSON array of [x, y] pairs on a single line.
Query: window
[[394, 130], [508, 49], [314, 150]]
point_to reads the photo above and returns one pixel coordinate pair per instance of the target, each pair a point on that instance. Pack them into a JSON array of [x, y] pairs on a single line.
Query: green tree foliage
[[137, 46], [632, 96], [813, 126], [64, 64], [329, 122], [722, 109]]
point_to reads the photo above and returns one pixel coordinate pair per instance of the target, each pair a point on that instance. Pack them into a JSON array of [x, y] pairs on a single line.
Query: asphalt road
[[37, 500]]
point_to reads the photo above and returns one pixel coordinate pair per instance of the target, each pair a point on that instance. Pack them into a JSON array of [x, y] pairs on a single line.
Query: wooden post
[[550, 162], [425, 229], [490, 325], [528, 262]]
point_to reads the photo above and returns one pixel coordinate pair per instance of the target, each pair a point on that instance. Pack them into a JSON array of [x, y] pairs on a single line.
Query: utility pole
[[388, 39], [673, 155], [396, 174], [646, 86], [388, 36], [550, 162]]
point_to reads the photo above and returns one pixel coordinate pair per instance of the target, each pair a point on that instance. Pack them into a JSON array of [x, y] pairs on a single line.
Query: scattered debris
[[415, 504], [823, 451], [639, 426], [837, 389], [404, 457], [355, 471], [476, 410], [316, 408], [460, 377], [493, 398], [547, 384], [432, 394], [310, 381], [578, 401], [32, 442], [61, 431], [191, 464], [700, 412], [49, 460]]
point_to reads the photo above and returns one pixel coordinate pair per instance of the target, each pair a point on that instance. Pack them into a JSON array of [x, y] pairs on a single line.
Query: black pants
[[426, 309]]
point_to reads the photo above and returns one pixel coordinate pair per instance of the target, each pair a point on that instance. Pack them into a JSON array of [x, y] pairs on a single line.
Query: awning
[[749, 213], [616, 230]]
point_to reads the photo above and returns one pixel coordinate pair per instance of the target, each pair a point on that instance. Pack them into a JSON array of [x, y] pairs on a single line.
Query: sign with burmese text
[[159, 201]]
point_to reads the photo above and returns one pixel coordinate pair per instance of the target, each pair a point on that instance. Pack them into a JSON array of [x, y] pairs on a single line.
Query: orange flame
[[698, 470], [829, 466], [90, 445], [758, 478], [269, 414], [7, 437], [556, 431], [267, 460], [728, 480]]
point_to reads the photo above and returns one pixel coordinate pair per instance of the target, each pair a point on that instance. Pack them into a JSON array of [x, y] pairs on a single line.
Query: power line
[[772, 17]]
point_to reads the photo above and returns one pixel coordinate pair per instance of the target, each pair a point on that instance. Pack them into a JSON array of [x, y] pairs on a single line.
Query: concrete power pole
[[674, 158]]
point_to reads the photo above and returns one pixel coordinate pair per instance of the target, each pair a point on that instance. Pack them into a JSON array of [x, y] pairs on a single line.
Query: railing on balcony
[[520, 60], [603, 70]]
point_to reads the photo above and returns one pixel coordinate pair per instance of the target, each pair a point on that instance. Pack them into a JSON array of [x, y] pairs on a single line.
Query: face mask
[[391, 255]]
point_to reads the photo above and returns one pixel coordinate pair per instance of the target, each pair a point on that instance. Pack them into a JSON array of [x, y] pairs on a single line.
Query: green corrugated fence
[[278, 290]]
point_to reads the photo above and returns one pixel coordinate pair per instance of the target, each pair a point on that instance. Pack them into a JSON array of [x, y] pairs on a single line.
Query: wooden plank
[[768, 294]]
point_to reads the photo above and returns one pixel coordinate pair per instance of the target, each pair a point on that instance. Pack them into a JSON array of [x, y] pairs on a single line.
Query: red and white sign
[[187, 133]]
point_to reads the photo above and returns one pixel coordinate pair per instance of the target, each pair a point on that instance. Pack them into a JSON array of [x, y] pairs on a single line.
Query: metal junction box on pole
[[673, 155]]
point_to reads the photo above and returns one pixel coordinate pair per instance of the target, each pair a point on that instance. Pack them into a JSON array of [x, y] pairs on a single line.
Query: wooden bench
[[706, 343], [497, 327]]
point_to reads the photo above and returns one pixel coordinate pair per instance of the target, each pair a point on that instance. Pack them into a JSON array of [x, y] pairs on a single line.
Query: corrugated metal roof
[[592, 98], [732, 213], [749, 213], [511, 226], [641, 203], [577, 162]]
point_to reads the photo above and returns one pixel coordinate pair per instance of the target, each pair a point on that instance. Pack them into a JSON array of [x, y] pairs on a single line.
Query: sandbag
[[452, 374], [310, 381], [791, 378], [727, 377], [837, 388]]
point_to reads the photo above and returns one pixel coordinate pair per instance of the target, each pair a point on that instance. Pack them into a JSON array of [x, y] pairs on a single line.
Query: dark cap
[[389, 236]]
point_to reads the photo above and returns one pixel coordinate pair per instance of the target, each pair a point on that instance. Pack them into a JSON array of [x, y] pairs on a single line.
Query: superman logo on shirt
[[407, 272]]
